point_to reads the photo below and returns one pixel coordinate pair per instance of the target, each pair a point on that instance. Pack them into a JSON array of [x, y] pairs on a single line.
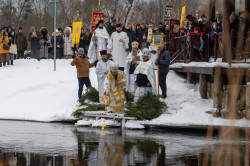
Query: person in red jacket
[[198, 44]]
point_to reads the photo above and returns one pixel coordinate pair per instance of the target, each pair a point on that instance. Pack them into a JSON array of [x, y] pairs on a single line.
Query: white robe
[[131, 77], [101, 67], [146, 68], [119, 48], [103, 38], [116, 93]]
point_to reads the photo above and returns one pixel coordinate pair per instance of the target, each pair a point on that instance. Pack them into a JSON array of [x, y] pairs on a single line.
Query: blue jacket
[[164, 61], [132, 37]]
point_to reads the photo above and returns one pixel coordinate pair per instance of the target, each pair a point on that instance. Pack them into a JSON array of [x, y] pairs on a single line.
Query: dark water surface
[[44, 144]]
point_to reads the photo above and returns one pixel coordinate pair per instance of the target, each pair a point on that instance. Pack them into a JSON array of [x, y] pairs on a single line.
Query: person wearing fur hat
[[145, 76], [34, 38], [21, 42], [68, 45], [82, 66], [102, 69], [117, 45], [114, 84], [132, 60], [45, 42]]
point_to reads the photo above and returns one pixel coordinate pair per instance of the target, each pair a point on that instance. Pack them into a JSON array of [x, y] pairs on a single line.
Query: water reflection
[[41, 144]]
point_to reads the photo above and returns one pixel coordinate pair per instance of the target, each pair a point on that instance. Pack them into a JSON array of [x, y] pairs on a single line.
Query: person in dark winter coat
[[111, 27], [13, 51], [34, 38], [21, 42], [85, 39], [163, 62], [45, 42], [143, 42], [59, 45], [131, 35], [143, 31], [233, 22], [137, 32], [161, 28]]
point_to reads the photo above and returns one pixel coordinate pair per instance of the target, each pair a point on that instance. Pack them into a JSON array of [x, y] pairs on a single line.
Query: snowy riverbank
[[31, 90]]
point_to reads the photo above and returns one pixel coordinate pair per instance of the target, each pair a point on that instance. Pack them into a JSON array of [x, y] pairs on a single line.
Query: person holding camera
[[34, 38], [44, 42], [82, 66], [4, 48]]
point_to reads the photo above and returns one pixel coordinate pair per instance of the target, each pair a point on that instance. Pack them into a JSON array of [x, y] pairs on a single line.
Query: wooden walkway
[[101, 114]]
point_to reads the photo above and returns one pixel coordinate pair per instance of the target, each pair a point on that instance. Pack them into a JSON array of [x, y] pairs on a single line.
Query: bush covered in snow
[[148, 107]]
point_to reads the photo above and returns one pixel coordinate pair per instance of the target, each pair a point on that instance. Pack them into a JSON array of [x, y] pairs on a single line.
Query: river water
[[46, 144]]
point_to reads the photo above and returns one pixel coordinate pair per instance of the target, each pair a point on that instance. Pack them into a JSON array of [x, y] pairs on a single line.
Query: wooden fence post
[[203, 86], [218, 89], [248, 101]]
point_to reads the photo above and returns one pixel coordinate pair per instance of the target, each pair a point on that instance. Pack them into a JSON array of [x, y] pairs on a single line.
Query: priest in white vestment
[[145, 79], [114, 85], [117, 45], [102, 69], [132, 62], [102, 41]]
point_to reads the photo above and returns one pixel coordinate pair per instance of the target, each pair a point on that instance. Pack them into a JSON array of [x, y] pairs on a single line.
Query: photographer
[[4, 48], [34, 38], [82, 66]]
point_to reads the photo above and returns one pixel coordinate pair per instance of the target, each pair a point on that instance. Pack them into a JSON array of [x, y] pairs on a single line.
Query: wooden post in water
[[218, 88], [248, 101], [203, 86]]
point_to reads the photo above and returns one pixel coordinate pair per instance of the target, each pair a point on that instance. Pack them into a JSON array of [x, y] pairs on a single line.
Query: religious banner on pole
[[168, 11], [183, 15], [173, 32], [77, 26], [95, 18]]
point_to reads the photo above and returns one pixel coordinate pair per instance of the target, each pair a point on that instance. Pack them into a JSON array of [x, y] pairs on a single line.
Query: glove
[[96, 62], [153, 52], [157, 62]]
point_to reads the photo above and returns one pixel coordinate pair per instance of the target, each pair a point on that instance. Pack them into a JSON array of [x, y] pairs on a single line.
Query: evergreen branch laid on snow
[[91, 95], [129, 96], [148, 107]]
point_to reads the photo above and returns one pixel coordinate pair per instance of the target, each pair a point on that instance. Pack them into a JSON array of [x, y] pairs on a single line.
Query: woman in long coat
[[44, 42], [4, 54]]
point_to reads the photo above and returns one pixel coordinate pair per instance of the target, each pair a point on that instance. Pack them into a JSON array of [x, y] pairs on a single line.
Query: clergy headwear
[[103, 52], [114, 67], [145, 52], [118, 25], [135, 44]]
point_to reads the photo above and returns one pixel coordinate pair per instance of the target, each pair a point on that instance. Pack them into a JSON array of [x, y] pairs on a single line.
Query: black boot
[[0, 64], [11, 62], [8, 63], [4, 63]]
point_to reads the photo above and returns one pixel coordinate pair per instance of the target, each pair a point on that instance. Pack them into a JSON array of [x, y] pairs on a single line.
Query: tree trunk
[[248, 101]]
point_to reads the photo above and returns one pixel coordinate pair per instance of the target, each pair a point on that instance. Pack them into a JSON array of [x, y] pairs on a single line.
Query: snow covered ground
[[31, 90]]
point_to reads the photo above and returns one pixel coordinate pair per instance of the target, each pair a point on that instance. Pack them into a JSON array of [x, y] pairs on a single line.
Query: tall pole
[[55, 37], [160, 9]]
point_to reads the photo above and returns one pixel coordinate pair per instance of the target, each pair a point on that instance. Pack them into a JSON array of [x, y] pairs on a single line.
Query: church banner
[[95, 18], [173, 32], [183, 15], [168, 11], [77, 26]]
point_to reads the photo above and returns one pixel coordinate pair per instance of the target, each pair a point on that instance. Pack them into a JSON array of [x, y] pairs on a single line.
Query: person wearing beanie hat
[[82, 67], [145, 76], [132, 61], [192, 24], [103, 37], [59, 45], [118, 45], [102, 69], [68, 44], [21, 43], [34, 39], [114, 83]]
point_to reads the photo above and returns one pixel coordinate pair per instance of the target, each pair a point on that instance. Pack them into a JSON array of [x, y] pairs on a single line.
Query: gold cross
[[103, 125]]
